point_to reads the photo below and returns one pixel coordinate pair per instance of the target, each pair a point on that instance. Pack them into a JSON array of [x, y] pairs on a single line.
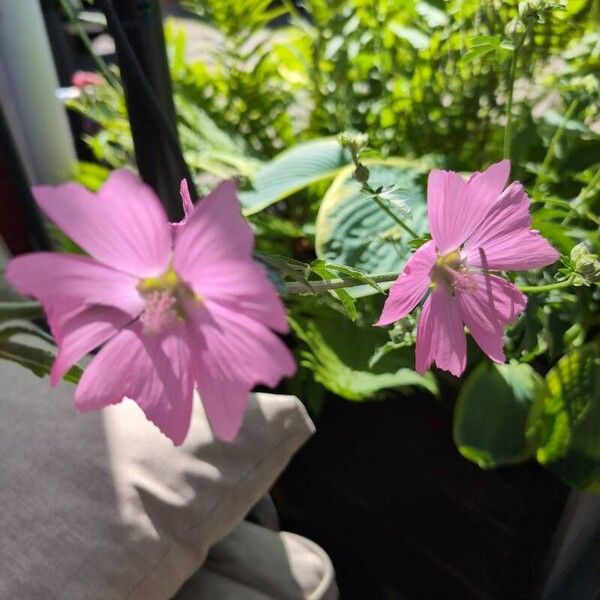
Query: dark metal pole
[[26, 206], [152, 119]]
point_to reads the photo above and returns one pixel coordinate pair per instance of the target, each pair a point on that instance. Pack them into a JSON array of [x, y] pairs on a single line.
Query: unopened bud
[[514, 28], [354, 142], [585, 263], [361, 173]]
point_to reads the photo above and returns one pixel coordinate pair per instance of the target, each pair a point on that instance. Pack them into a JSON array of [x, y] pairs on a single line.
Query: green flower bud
[[585, 263], [361, 173], [354, 142], [514, 28]]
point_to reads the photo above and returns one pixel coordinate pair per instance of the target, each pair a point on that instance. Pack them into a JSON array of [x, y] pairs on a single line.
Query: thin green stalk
[[390, 212], [582, 197], [538, 289], [85, 40], [336, 284], [556, 138], [511, 85], [317, 287]]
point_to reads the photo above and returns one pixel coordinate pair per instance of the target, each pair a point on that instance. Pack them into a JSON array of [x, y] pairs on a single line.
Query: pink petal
[[486, 309], [85, 301], [504, 240], [243, 286], [188, 209], [155, 371], [215, 234], [81, 332], [232, 354], [213, 253], [123, 225], [440, 334], [411, 286], [456, 207], [485, 187]]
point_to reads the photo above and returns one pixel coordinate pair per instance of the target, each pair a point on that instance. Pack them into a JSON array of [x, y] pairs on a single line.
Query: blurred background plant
[[455, 84]]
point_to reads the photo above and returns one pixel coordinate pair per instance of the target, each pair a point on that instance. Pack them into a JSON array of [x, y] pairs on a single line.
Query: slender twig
[[389, 211], [556, 138], [591, 187]]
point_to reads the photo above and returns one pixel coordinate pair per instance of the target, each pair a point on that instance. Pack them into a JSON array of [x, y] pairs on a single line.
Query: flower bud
[[354, 142], [585, 263], [514, 28], [361, 173]]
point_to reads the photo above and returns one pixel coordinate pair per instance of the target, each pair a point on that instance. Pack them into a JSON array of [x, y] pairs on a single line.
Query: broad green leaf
[[293, 170], [353, 230], [338, 352], [566, 419], [490, 416]]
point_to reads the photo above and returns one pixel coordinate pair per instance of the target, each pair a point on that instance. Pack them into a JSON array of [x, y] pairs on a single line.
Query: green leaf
[[490, 416], [37, 356], [566, 419], [20, 310], [338, 352], [293, 170], [353, 230]]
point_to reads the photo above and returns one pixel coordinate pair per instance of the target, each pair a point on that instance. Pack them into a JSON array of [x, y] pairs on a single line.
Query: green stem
[[336, 284], [582, 197], [538, 289], [511, 85], [85, 40], [317, 287], [367, 188], [556, 138]]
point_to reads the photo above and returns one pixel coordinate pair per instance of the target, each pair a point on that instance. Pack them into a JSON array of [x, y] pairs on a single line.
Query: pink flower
[[176, 307], [83, 79], [476, 227]]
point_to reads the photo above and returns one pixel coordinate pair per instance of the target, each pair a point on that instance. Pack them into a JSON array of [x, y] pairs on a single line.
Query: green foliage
[[292, 171], [31, 348], [491, 414], [427, 81], [353, 230], [566, 419], [338, 352]]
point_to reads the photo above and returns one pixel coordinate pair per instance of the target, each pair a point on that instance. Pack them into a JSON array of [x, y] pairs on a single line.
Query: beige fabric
[[253, 563], [101, 506]]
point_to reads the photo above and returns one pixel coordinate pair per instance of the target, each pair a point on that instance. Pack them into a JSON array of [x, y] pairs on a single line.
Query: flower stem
[[589, 189], [336, 284], [317, 287], [510, 86], [538, 289], [556, 138]]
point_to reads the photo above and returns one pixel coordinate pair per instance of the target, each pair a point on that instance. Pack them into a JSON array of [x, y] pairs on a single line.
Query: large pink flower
[[178, 307], [477, 226]]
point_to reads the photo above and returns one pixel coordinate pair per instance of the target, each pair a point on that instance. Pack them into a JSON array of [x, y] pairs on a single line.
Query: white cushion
[[254, 563], [101, 506]]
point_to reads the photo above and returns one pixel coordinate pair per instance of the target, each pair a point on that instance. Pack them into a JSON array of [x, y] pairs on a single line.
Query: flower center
[[447, 270], [164, 298]]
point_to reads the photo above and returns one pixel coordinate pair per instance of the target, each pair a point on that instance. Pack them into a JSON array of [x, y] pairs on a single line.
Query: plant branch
[[336, 284]]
